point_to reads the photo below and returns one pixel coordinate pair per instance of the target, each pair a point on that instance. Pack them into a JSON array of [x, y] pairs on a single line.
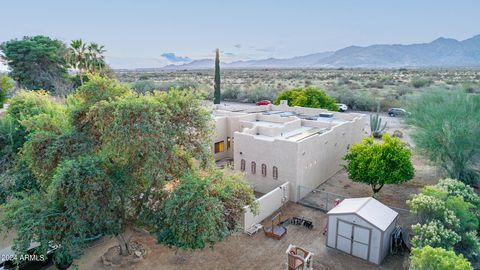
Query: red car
[[263, 102]]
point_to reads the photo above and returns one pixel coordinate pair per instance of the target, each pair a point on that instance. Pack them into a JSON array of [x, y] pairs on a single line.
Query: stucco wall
[[279, 153], [267, 205], [321, 156]]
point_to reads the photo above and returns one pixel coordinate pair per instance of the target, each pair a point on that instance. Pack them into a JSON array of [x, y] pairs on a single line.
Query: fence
[[324, 201], [267, 205]]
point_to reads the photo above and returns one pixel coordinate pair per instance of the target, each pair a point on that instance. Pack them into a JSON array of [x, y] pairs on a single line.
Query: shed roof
[[373, 211]]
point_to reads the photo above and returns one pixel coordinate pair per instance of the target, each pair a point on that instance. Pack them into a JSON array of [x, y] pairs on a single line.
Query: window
[[242, 165], [275, 172], [254, 167], [229, 143], [264, 170], [219, 147]]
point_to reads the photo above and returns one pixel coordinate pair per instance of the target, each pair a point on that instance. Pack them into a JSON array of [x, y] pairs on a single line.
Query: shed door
[[353, 239], [360, 242], [344, 235]]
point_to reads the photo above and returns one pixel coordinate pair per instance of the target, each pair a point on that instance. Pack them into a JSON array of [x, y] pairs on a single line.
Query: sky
[[148, 33]]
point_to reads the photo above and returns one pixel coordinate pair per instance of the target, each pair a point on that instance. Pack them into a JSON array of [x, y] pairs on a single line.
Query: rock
[[138, 253]]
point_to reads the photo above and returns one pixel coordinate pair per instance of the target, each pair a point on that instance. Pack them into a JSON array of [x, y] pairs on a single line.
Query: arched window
[[264, 170], [254, 167], [242, 165], [275, 172]]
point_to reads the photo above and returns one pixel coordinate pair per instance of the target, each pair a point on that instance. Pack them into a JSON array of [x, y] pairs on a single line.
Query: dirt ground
[[240, 251]]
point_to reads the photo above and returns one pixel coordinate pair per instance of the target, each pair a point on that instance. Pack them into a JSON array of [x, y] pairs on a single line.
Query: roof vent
[[326, 114]]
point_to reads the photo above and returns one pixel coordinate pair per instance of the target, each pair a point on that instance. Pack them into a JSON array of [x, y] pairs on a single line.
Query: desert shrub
[[442, 137], [447, 218], [143, 86], [356, 100], [311, 97], [434, 234], [419, 82], [374, 84], [259, 92], [397, 134], [231, 92], [428, 258]]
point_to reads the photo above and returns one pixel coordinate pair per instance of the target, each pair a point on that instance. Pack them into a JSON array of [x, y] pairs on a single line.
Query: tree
[[217, 94], [36, 61], [448, 217], [378, 164], [6, 84], [104, 164], [442, 137], [86, 58], [191, 218], [311, 97], [428, 258], [78, 57]]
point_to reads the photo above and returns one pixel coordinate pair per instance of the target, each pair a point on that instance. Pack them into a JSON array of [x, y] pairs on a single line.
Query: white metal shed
[[361, 227]]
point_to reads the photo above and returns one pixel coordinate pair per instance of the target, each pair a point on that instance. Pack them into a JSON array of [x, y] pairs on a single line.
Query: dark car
[[263, 102], [392, 112]]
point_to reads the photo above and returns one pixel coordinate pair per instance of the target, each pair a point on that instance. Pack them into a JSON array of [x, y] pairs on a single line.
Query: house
[[361, 227], [276, 144]]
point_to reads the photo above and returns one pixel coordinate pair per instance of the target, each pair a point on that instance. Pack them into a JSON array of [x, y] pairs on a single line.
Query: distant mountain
[[442, 52]]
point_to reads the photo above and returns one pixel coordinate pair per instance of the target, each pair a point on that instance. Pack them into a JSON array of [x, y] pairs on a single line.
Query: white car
[[342, 107]]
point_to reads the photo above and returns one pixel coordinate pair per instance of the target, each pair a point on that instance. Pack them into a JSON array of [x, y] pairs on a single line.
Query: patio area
[[246, 252]]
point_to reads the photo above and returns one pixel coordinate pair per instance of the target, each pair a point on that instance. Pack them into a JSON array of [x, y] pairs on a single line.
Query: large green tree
[[446, 131], [379, 163], [216, 93], [105, 163], [311, 97], [428, 258], [37, 62]]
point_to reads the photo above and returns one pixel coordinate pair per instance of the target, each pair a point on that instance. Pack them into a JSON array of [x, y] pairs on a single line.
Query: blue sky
[[140, 32]]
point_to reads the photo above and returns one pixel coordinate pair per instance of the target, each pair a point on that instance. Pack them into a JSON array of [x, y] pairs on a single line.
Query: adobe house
[[276, 144]]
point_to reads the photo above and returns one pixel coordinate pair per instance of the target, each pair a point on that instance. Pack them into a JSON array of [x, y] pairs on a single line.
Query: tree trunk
[[376, 189], [123, 241]]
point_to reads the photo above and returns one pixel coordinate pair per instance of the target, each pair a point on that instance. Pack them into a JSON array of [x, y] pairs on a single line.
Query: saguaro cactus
[[376, 125]]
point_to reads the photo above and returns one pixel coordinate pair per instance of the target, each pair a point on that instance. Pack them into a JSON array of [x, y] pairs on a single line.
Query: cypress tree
[[216, 93]]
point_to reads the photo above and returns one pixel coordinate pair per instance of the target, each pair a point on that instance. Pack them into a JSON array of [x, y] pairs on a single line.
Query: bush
[[6, 84], [311, 97], [441, 136], [419, 82], [434, 234], [428, 258], [231, 92], [355, 100], [144, 86], [447, 217]]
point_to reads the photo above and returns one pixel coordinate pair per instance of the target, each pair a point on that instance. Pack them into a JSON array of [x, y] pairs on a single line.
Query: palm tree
[[78, 56], [96, 57]]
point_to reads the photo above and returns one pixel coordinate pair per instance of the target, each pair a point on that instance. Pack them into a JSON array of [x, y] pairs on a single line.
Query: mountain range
[[442, 52]]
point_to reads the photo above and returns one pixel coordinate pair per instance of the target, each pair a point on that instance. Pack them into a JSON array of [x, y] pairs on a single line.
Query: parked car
[[263, 102], [392, 112], [342, 107]]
